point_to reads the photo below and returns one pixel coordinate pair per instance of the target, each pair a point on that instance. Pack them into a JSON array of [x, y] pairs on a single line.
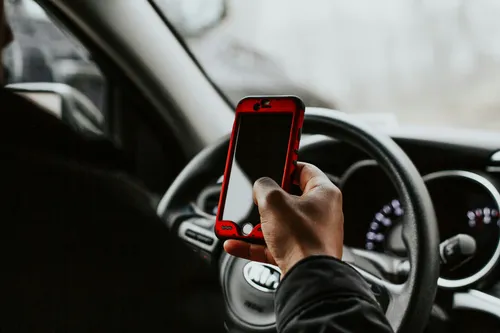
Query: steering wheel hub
[[249, 289]]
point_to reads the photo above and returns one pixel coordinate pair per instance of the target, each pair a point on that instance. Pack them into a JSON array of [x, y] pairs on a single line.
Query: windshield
[[417, 62]]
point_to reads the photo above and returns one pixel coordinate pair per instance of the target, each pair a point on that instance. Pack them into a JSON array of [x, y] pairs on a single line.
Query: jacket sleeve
[[323, 294]]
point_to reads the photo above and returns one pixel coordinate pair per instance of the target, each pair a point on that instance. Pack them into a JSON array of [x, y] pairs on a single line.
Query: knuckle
[[333, 192], [275, 197], [262, 182]]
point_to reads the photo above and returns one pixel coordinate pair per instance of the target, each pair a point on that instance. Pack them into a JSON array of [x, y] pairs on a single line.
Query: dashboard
[[462, 180], [462, 176], [465, 202]]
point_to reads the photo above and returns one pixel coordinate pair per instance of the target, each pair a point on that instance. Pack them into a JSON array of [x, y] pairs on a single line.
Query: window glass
[[44, 52], [393, 62]]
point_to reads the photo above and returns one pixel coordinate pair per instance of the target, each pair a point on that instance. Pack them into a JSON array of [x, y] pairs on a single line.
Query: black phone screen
[[261, 148]]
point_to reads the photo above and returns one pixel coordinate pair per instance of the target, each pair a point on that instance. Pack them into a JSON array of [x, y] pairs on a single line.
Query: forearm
[[323, 294]]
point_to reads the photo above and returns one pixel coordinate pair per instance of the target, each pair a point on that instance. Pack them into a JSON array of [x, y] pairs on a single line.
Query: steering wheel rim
[[410, 303]]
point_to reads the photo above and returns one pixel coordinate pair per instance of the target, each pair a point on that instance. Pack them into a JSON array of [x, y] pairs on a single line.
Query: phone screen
[[261, 147]]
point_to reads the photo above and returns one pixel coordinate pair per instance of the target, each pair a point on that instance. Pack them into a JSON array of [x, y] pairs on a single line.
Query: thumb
[[267, 194]]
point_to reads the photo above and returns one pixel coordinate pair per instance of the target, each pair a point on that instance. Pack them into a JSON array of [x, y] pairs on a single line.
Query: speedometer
[[465, 203], [483, 216], [384, 231]]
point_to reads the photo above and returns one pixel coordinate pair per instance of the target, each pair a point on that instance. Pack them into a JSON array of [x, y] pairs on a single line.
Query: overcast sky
[[417, 59]]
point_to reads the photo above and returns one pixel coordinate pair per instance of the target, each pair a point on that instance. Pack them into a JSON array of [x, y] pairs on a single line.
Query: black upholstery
[[81, 248]]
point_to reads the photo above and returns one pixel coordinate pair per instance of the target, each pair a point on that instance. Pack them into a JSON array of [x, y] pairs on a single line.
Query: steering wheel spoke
[[393, 268], [198, 233], [374, 267], [388, 294]]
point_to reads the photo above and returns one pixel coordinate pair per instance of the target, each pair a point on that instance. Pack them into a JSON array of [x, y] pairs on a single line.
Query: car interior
[[421, 204]]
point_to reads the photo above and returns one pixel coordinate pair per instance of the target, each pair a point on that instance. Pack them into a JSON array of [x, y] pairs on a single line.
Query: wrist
[[295, 258]]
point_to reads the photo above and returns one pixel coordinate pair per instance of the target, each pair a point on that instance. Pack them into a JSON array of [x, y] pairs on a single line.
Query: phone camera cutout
[[247, 229], [256, 107]]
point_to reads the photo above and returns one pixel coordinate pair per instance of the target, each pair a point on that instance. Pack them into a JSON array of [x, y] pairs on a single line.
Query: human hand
[[295, 227]]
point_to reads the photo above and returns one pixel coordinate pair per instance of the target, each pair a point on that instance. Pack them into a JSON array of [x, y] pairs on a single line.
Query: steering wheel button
[[191, 234], [205, 239]]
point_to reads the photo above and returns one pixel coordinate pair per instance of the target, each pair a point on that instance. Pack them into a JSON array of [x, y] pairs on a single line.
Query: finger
[[248, 251], [267, 192], [311, 177]]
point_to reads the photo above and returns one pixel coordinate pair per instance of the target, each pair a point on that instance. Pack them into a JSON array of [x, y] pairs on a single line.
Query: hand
[[295, 227]]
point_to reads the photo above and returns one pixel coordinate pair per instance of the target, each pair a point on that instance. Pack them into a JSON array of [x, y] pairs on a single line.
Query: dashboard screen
[[261, 147]]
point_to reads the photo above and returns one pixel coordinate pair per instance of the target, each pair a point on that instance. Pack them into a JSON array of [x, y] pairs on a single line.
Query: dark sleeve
[[84, 251], [179, 291], [323, 294]]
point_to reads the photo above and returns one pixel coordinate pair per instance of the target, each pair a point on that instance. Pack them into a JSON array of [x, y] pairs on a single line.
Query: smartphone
[[264, 143]]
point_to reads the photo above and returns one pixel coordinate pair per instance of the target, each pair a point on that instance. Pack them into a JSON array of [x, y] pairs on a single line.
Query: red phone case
[[278, 104]]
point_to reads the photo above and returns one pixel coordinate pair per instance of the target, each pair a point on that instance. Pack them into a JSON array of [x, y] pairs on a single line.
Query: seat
[[82, 249]]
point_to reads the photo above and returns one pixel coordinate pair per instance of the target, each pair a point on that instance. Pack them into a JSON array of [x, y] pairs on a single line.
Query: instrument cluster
[[466, 203]]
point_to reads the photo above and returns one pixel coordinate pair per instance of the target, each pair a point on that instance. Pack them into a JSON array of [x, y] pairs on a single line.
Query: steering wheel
[[250, 300]]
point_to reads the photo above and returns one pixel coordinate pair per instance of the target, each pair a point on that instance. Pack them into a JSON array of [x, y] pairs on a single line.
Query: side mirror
[[194, 17], [66, 103], [83, 76]]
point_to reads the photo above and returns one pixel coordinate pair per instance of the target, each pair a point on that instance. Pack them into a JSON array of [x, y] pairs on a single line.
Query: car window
[[44, 52], [411, 62]]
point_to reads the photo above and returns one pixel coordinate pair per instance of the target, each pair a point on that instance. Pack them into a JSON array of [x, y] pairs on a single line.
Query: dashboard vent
[[494, 162]]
